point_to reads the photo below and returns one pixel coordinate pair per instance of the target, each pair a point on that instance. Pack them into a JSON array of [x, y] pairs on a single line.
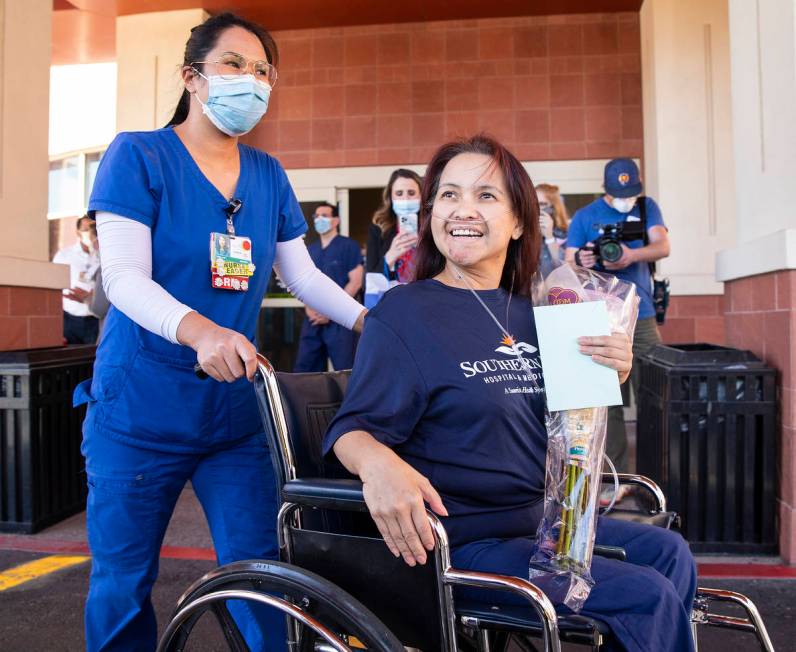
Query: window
[[71, 179]]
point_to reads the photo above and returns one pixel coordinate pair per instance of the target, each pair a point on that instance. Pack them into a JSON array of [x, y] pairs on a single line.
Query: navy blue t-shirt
[[337, 259], [585, 228], [433, 380]]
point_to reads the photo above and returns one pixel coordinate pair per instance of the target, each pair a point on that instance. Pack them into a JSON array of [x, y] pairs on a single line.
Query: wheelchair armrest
[[520, 587], [326, 493], [611, 552], [642, 481]]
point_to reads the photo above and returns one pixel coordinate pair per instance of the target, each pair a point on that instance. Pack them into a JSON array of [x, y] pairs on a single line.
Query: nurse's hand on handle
[[395, 495], [225, 355]]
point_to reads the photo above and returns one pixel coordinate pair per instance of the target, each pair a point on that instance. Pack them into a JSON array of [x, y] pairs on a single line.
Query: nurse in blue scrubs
[[458, 421], [190, 224], [340, 259]]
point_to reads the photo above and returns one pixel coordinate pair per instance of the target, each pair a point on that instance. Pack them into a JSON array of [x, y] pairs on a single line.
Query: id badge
[[231, 264]]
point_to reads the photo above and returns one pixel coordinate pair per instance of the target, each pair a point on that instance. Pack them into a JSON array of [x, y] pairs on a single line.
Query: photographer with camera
[[623, 233]]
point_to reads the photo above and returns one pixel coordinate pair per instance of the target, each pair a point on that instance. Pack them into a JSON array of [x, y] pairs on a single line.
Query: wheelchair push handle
[[262, 363]]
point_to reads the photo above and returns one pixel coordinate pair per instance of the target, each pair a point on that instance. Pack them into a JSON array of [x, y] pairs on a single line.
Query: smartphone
[[407, 223]]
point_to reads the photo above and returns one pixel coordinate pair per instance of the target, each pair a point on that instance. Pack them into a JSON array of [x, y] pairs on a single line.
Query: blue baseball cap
[[622, 178]]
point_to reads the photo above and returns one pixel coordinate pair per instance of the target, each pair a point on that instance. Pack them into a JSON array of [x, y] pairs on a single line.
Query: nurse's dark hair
[[385, 217], [204, 38], [522, 259]]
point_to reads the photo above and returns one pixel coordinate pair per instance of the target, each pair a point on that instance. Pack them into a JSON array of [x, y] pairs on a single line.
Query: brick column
[[761, 317], [30, 318]]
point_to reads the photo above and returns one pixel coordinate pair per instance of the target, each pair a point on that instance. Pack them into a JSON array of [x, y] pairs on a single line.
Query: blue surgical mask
[[323, 224], [406, 206], [235, 106]]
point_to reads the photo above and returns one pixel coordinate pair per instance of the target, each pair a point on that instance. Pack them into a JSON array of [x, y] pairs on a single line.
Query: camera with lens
[[607, 248]]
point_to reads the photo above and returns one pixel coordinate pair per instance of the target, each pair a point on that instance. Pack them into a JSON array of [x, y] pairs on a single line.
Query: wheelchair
[[341, 589]]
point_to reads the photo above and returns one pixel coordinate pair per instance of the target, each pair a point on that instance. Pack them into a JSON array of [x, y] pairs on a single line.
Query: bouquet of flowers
[[576, 446]]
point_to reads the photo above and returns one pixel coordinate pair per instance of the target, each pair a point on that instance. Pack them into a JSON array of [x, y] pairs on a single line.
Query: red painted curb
[[51, 546], [746, 571]]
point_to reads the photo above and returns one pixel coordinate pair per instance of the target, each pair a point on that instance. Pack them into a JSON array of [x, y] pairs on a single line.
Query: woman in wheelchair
[[438, 410]]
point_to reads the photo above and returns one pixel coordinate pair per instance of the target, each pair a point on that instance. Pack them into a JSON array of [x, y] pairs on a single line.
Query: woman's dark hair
[[522, 259], [385, 217], [204, 38]]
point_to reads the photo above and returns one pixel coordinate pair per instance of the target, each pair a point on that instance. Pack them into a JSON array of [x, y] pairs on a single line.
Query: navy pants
[[317, 343], [80, 330], [132, 493], [646, 601]]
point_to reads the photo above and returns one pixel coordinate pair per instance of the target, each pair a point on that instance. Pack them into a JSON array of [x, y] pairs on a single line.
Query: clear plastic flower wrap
[[561, 565]]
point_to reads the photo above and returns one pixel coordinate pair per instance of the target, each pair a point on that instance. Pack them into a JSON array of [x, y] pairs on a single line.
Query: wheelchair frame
[[277, 429]]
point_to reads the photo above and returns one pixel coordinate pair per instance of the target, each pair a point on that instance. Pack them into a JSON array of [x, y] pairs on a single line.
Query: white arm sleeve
[[126, 256], [307, 283]]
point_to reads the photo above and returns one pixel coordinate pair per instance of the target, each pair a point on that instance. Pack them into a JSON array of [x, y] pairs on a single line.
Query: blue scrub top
[[585, 228], [144, 390], [337, 259], [433, 380]]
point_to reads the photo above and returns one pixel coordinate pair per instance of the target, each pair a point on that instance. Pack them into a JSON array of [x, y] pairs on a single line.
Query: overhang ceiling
[[84, 30]]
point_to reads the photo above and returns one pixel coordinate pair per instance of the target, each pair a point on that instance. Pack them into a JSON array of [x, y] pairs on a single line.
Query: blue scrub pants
[[317, 343], [646, 600], [132, 493]]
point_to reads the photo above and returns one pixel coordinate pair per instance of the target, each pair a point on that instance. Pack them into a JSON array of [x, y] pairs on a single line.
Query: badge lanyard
[[231, 264]]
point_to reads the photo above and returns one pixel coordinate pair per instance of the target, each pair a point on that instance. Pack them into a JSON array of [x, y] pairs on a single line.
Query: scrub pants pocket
[[132, 493]]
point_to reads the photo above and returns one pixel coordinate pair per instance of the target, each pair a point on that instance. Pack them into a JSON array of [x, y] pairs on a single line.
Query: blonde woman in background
[[553, 220]]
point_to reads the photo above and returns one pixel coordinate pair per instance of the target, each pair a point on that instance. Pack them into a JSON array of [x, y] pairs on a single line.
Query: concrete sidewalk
[[46, 613]]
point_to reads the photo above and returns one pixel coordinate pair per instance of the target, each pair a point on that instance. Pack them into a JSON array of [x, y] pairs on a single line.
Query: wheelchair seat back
[[345, 547]]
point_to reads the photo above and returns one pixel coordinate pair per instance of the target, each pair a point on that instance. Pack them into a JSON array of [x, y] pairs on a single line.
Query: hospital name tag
[[230, 262]]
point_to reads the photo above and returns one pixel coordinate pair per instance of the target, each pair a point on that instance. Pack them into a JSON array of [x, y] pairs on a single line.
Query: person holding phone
[[393, 235]]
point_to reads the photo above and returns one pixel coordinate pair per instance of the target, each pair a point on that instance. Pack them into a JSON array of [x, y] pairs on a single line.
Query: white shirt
[[83, 268]]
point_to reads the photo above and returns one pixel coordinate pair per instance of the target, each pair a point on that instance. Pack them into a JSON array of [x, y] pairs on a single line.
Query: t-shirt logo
[[623, 178], [511, 347]]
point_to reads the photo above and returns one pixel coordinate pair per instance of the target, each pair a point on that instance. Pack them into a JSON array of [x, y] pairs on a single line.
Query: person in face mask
[[190, 222], [393, 235], [623, 203], [340, 259], [80, 325], [553, 221]]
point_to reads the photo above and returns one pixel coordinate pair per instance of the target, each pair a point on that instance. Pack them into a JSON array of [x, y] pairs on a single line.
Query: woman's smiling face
[[473, 220]]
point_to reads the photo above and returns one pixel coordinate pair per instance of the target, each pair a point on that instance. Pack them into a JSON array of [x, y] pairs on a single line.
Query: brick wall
[[551, 87], [695, 319], [761, 317], [30, 318]]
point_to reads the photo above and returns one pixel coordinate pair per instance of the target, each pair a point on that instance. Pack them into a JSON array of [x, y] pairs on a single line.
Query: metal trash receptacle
[[707, 433], [42, 477]]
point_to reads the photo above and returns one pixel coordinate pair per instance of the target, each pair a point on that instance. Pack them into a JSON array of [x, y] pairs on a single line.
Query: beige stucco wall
[[688, 134], [763, 34], [24, 92], [149, 51]]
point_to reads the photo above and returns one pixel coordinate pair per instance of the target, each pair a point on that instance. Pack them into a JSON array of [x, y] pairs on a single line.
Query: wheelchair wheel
[[318, 607]]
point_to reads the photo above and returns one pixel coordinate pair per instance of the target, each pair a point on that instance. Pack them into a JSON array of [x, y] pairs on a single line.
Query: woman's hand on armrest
[[394, 493], [614, 351]]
